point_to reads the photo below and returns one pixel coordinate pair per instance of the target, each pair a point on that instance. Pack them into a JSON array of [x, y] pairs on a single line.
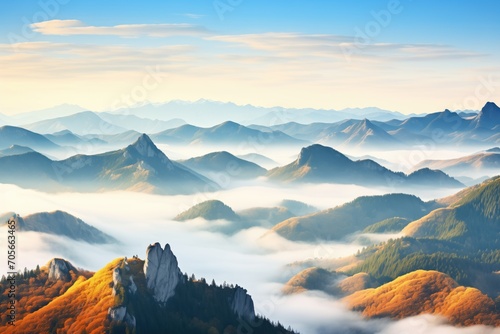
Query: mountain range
[[140, 166], [481, 163], [441, 129], [321, 164], [228, 133], [82, 123], [226, 165]]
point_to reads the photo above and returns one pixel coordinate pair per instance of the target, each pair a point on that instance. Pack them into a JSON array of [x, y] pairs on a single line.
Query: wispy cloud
[[335, 46], [76, 27], [192, 15]]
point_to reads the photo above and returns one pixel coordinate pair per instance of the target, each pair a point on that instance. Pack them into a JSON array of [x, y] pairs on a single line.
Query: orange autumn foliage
[[428, 292], [81, 308]]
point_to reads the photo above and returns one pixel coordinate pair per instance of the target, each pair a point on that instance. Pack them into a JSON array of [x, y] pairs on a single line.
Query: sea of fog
[[248, 259]]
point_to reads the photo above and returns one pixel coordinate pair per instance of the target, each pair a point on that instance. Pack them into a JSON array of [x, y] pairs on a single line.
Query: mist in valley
[[254, 258]]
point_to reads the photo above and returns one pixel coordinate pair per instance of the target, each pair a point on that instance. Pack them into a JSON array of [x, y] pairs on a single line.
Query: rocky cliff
[[242, 304], [162, 272]]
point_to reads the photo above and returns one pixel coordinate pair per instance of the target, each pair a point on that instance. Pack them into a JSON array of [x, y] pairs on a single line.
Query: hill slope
[[422, 292], [62, 224], [151, 296], [473, 219], [336, 223]]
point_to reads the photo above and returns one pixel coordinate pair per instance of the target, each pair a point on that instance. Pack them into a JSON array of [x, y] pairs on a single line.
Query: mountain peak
[[489, 116], [317, 153], [490, 106], [145, 146], [209, 210]]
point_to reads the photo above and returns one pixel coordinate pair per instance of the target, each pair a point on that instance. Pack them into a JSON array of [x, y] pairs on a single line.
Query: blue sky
[[406, 55]]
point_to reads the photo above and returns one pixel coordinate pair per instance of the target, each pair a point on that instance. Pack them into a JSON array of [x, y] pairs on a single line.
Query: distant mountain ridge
[[82, 123], [228, 132], [11, 135], [226, 165], [475, 130], [317, 163]]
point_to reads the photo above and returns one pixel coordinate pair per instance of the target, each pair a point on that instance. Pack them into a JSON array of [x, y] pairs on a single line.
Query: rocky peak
[[489, 116], [59, 269], [146, 149], [162, 272], [145, 146], [242, 304]]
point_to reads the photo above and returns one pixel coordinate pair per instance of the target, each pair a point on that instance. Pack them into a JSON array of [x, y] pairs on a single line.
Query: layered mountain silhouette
[[226, 165], [15, 150], [68, 138], [131, 295], [82, 123], [444, 128], [483, 162], [322, 164], [11, 135], [229, 133], [132, 122], [338, 222], [61, 223], [140, 166], [360, 134]]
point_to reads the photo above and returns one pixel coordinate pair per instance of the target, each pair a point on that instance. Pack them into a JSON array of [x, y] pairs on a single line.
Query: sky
[[411, 56]]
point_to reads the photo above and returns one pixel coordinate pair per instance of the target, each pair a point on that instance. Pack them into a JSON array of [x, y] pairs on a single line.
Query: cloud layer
[[76, 27]]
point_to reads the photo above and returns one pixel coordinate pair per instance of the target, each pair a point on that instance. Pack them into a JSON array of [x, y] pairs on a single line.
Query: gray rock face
[[242, 304], [59, 269], [162, 272], [132, 288], [120, 314]]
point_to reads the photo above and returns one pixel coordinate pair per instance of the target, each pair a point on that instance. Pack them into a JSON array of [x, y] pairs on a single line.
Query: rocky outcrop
[[242, 304], [121, 285], [120, 314], [162, 272], [59, 269]]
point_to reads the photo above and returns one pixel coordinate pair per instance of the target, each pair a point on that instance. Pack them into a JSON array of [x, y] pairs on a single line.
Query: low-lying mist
[[245, 258]]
